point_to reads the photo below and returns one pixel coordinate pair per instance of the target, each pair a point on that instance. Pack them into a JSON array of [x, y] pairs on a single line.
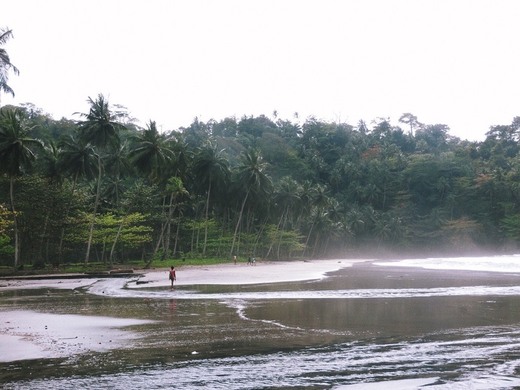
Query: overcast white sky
[[446, 61]]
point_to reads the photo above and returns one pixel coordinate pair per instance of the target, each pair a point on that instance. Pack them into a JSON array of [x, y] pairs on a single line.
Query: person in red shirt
[[173, 277]]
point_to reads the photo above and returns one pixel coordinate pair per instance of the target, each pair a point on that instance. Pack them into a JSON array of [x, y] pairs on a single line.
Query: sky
[[455, 62]]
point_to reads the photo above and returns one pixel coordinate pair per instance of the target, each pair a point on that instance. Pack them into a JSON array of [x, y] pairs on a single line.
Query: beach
[[335, 324], [38, 335]]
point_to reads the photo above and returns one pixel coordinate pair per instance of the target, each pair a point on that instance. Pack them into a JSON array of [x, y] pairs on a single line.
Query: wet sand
[[34, 335], [31, 335]]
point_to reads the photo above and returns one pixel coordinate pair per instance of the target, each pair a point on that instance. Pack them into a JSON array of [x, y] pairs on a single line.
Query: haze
[[450, 62]]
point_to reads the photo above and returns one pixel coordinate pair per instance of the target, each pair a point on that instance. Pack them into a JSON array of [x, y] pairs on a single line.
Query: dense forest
[[101, 188]]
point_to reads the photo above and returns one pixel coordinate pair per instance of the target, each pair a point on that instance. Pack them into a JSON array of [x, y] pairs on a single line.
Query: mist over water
[[509, 264], [383, 324]]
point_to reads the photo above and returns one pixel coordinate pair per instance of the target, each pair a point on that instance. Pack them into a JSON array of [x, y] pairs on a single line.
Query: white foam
[[403, 384], [505, 263]]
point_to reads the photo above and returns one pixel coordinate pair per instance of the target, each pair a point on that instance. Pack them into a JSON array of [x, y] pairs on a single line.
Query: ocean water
[[445, 323], [507, 264]]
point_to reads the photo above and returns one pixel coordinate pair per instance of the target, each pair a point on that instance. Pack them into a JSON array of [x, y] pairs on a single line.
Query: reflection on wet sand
[[360, 325]]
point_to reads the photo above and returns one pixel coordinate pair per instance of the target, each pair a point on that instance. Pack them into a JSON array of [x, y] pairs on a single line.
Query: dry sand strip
[[218, 274], [260, 273], [32, 335]]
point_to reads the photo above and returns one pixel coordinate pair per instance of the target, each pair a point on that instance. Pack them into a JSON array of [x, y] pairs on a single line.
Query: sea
[[425, 323]]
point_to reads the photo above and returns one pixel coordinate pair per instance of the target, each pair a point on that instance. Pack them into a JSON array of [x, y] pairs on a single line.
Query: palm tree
[[151, 153], [101, 129], [51, 167], [286, 198], [210, 169], [77, 159], [319, 202], [251, 174], [5, 63], [118, 166], [177, 190], [16, 155]]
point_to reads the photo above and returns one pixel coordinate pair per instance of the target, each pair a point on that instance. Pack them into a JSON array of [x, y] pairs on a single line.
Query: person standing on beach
[[173, 276]]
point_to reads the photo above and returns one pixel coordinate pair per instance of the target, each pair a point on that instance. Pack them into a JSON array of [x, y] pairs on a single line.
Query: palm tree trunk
[[206, 217], [67, 210], [281, 230], [238, 223], [110, 259], [93, 220], [307, 240], [161, 235], [273, 242], [168, 227], [259, 235], [15, 223], [176, 242], [44, 233]]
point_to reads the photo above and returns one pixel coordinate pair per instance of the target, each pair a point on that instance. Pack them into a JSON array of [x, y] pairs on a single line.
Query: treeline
[[104, 189]]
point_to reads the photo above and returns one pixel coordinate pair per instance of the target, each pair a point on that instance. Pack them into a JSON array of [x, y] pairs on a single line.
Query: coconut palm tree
[[77, 159], [151, 152], [211, 169], [51, 167], [287, 200], [252, 175], [16, 155], [5, 63], [101, 129], [176, 189]]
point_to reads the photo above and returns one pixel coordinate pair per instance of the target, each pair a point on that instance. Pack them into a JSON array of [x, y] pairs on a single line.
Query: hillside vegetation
[[104, 189]]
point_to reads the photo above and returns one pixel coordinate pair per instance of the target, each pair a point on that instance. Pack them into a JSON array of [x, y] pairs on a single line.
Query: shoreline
[[217, 274], [243, 274], [27, 334]]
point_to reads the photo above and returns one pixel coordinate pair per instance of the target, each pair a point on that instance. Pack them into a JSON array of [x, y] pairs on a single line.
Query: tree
[[78, 159], [101, 129], [16, 155], [211, 169], [5, 63], [151, 152], [410, 120], [6, 222], [176, 189], [251, 174]]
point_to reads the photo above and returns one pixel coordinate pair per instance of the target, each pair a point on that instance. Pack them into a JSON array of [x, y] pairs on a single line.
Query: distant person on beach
[[173, 276]]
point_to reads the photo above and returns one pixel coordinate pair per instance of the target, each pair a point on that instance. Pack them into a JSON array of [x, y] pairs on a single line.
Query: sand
[[24, 284], [31, 335], [262, 272], [34, 335]]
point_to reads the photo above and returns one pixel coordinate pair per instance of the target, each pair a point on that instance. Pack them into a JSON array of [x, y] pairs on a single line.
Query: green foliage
[[285, 243], [511, 225], [6, 219], [5, 245], [133, 233], [6, 223], [5, 62], [254, 186]]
